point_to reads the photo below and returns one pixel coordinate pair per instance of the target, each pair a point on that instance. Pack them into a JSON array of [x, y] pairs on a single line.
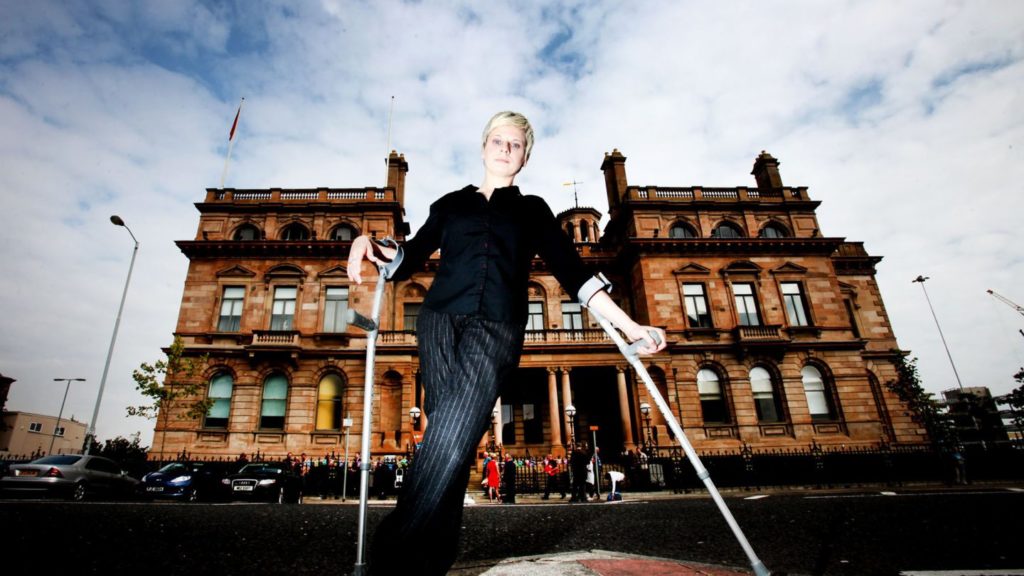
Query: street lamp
[[492, 446], [645, 409], [117, 221], [921, 279], [414, 415], [61, 413], [570, 411]]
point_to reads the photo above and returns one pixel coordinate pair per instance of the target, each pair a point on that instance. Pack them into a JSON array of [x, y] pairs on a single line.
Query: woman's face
[[504, 152]]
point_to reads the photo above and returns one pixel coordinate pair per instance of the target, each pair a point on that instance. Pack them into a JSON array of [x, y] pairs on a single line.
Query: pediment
[[285, 271], [338, 271], [742, 267], [235, 272], [790, 268], [693, 268]]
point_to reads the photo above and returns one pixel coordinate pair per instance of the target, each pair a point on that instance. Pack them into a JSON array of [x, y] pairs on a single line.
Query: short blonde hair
[[508, 118]]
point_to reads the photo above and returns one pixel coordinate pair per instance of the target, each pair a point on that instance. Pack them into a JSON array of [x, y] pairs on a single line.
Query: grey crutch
[[630, 351], [371, 325]]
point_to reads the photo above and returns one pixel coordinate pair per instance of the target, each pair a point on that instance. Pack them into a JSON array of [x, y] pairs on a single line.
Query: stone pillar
[[624, 415], [497, 422], [553, 411], [566, 400]]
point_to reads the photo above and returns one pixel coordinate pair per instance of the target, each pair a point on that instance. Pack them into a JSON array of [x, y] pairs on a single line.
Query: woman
[[470, 332], [493, 480]]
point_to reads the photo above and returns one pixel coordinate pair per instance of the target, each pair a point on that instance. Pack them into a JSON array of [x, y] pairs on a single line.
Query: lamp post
[[570, 411], [346, 423], [920, 280], [645, 409], [414, 416], [117, 221], [492, 446], [61, 413]]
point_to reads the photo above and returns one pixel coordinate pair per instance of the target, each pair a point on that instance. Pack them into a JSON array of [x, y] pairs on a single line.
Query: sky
[[905, 119]]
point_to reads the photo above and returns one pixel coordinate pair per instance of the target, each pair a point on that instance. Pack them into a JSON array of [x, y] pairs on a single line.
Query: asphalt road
[[855, 533]]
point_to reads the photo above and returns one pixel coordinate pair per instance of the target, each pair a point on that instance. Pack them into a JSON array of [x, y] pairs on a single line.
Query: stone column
[[624, 415], [566, 400], [497, 422], [553, 411]]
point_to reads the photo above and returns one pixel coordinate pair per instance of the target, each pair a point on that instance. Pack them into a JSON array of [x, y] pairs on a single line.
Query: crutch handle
[[634, 348]]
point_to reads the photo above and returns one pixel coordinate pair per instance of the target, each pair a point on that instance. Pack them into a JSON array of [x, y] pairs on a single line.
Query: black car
[[263, 481], [185, 481]]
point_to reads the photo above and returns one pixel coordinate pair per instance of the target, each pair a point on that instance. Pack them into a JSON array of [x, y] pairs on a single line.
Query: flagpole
[[231, 143], [387, 151]]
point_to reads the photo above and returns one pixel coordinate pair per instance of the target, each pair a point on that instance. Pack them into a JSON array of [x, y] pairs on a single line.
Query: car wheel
[[80, 492], [193, 496]]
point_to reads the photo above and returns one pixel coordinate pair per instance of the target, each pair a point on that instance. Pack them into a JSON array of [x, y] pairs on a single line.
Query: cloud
[[904, 119]]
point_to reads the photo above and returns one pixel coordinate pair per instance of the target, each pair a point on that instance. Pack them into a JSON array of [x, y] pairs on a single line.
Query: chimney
[[397, 167], [766, 172], [614, 168]]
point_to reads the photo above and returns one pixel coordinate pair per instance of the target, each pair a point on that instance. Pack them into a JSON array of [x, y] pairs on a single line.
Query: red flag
[[234, 124]]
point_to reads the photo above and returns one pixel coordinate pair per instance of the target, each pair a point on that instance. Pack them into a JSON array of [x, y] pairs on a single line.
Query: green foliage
[[120, 450], [172, 383], [922, 407], [1016, 401]]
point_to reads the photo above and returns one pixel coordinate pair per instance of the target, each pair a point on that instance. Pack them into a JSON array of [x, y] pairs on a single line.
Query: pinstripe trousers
[[464, 360]]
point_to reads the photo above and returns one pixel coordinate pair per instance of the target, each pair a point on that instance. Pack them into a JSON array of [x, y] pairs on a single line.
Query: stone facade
[[778, 335]]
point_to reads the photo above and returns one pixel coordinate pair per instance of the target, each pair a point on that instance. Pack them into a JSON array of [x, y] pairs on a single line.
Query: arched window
[[343, 233], [220, 396], [247, 232], [727, 230], [584, 231], [570, 231], [766, 400], [681, 230], [773, 230], [275, 398], [712, 397], [295, 231], [329, 402], [819, 400]]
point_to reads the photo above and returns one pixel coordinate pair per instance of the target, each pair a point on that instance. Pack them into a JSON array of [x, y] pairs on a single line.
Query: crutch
[[371, 325], [630, 351]]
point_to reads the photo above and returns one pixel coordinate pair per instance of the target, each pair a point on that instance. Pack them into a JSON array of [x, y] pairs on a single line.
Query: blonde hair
[[508, 118]]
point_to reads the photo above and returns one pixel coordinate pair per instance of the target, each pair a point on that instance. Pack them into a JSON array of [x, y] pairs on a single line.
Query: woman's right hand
[[362, 248]]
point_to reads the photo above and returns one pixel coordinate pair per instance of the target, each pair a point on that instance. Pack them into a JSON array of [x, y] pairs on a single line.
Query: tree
[[922, 408], [1016, 401], [172, 386]]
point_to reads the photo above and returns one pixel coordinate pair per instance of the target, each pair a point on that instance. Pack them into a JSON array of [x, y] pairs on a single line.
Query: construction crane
[[1007, 301]]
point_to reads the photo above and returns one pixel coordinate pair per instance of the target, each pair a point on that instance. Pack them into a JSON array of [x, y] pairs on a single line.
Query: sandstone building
[[778, 335]]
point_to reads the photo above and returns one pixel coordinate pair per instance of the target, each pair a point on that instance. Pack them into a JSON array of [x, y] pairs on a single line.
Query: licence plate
[[26, 472], [243, 488], [154, 488]]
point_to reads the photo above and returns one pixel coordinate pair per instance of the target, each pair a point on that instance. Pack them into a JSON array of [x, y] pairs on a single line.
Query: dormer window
[[727, 230], [295, 231]]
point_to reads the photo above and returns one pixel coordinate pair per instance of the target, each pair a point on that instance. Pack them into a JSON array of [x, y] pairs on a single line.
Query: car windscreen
[[174, 468], [260, 469], [65, 460]]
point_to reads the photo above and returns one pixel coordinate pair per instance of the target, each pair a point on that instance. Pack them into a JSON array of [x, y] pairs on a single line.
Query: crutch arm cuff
[[596, 284], [388, 270]]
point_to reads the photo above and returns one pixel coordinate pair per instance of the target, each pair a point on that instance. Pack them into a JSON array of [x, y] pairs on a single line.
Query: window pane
[[707, 383], [283, 312], [343, 233], [680, 231], [746, 305], [572, 316], [412, 311], [508, 425], [231, 309], [329, 403], [796, 308], [760, 380], [275, 394], [817, 397], [696, 306], [334, 309], [535, 316]]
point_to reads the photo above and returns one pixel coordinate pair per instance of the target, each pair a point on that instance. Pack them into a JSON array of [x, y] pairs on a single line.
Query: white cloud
[[903, 118]]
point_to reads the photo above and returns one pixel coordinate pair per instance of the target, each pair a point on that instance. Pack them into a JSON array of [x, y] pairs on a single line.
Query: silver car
[[73, 476]]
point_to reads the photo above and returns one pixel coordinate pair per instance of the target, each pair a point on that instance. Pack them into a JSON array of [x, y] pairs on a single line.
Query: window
[[853, 318], [819, 404], [328, 403], [535, 316], [508, 425], [35, 426], [247, 232], [411, 311], [746, 305], [712, 400], [335, 305], [220, 394], [231, 309], [275, 398], [697, 314], [796, 305], [58, 431], [343, 233], [773, 230], [584, 231], [295, 232], [680, 230], [533, 428], [282, 316], [572, 316], [765, 400], [570, 230], [727, 230]]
